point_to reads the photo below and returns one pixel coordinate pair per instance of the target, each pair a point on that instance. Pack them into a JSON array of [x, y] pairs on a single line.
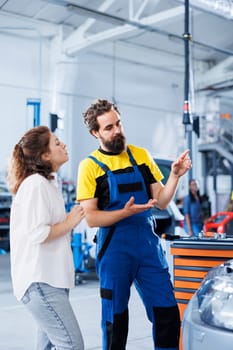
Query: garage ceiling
[[144, 32]]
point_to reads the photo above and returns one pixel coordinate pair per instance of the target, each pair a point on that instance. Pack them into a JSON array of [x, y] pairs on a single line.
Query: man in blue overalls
[[117, 185]]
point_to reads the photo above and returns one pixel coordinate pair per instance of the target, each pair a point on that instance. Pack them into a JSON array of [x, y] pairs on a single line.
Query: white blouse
[[37, 205]]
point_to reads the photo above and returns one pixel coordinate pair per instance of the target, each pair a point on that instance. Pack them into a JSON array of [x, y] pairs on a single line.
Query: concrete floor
[[17, 328]]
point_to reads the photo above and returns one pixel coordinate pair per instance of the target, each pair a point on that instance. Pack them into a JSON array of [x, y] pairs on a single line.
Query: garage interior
[[57, 56]]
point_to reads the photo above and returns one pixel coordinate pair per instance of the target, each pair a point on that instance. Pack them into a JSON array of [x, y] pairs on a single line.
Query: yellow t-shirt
[[92, 180]]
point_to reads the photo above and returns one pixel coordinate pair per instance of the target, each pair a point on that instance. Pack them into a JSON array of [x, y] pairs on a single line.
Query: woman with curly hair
[[41, 257]]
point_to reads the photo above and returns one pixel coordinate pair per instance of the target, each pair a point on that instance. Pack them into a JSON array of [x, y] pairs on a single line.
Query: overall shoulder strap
[[132, 160], [103, 166]]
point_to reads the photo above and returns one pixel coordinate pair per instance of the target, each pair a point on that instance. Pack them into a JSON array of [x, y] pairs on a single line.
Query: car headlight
[[215, 297]]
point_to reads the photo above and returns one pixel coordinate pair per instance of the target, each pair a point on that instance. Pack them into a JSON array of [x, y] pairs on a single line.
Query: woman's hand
[[75, 215]]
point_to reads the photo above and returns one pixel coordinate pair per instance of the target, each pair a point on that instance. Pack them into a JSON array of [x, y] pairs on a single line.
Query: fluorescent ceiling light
[[222, 8]]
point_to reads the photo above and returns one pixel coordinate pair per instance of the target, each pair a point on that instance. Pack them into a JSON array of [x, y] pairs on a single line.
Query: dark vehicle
[[165, 167], [208, 318], [5, 205], [170, 220]]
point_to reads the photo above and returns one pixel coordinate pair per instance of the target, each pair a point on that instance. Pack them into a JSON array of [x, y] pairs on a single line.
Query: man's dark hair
[[96, 109]]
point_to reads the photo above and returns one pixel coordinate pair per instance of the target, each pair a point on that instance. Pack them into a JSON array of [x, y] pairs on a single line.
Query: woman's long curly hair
[[27, 159]]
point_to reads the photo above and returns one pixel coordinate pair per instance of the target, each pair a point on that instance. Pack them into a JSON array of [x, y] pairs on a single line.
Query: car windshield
[[165, 168]]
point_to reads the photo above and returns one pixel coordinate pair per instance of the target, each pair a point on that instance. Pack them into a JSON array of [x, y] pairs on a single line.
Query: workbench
[[192, 259]]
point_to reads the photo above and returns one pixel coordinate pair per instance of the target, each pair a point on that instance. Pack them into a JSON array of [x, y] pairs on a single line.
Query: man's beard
[[116, 145]]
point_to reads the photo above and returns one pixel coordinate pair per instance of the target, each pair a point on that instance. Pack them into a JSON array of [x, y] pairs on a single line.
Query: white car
[[208, 319]]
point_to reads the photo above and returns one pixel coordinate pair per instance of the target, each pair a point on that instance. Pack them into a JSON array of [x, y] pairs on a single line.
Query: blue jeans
[[51, 308]]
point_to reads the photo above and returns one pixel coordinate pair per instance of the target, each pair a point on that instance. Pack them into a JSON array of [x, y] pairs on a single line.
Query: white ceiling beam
[[219, 74], [131, 9], [136, 16], [80, 32], [132, 54], [78, 43]]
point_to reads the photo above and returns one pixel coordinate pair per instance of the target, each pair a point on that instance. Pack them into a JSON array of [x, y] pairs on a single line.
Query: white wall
[[150, 105], [151, 110], [20, 78]]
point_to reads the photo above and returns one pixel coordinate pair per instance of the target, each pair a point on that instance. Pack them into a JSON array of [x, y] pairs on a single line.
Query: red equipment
[[221, 223]]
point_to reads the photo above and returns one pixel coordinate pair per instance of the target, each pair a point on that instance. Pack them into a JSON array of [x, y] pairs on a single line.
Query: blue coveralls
[[130, 252]]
